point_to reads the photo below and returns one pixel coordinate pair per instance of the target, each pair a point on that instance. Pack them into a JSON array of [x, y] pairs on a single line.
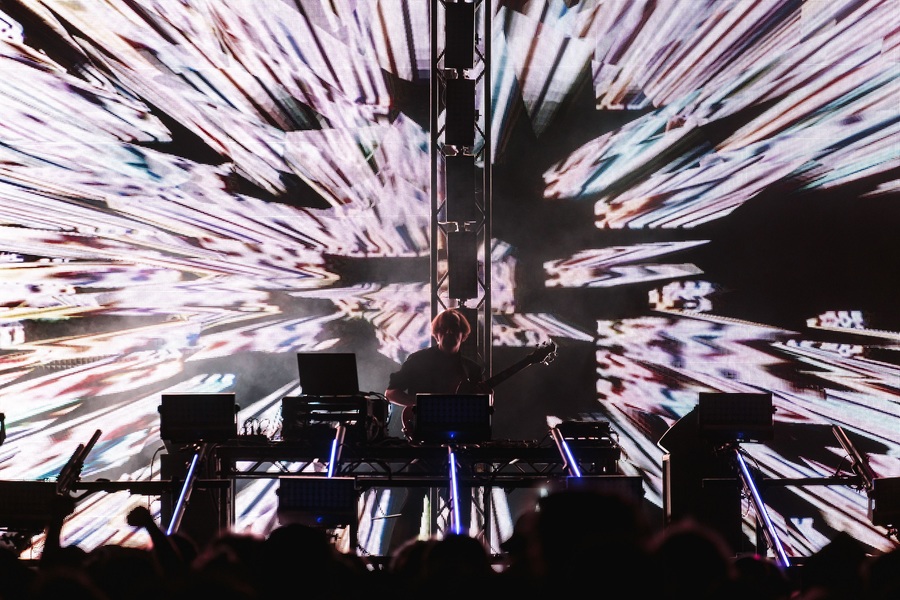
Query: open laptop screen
[[328, 373]]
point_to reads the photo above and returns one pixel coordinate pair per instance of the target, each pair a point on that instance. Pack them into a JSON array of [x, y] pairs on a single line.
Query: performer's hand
[[400, 397], [483, 388], [473, 387]]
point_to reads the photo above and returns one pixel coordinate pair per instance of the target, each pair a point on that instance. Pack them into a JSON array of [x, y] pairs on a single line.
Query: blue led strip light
[[565, 452], [761, 512], [570, 459], [456, 526], [185, 491], [336, 445]]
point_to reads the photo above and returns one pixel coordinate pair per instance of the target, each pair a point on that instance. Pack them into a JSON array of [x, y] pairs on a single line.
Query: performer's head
[[450, 329]]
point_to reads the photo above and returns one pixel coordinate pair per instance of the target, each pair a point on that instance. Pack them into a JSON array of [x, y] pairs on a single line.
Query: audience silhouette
[[690, 560], [759, 577], [406, 567], [570, 540], [457, 565]]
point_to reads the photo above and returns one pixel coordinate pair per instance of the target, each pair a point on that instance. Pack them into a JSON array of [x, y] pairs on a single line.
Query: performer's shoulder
[[421, 354]]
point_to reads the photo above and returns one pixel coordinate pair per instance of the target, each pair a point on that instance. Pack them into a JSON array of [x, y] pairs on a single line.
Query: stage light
[[453, 418], [327, 502], [194, 418], [735, 417], [27, 505]]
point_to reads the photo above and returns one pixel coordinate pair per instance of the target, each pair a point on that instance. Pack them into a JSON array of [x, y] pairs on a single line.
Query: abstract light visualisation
[[687, 195]]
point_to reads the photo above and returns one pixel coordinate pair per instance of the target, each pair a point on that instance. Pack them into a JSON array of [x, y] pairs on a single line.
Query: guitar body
[[474, 387], [544, 354], [408, 416]]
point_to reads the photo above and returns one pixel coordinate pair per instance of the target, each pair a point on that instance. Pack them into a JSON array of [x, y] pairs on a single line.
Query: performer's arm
[[399, 397]]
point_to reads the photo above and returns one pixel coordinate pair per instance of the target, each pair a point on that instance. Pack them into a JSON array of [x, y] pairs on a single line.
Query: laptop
[[328, 373]]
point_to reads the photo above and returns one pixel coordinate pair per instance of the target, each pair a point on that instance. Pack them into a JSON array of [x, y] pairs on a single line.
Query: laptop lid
[[328, 373]]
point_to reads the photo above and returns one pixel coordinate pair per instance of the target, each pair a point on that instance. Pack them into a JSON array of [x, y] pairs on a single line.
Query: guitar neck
[[544, 354], [506, 373]]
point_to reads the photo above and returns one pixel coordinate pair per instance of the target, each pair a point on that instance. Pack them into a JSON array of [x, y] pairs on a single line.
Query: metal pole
[[185, 495]]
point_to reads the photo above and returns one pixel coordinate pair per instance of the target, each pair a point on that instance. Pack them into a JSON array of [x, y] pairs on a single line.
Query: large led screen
[[685, 196]]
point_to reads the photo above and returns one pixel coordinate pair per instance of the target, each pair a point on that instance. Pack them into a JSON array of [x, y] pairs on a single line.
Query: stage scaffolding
[[484, 468]]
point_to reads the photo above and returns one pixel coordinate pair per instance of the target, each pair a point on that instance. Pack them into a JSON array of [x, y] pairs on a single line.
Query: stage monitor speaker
[[194, 418], [327, 502], [452, 418]]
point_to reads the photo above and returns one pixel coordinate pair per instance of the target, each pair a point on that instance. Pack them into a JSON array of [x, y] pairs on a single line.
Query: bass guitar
[[543, 354]]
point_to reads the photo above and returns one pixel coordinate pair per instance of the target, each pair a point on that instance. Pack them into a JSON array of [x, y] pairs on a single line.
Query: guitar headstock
[[545, 353]]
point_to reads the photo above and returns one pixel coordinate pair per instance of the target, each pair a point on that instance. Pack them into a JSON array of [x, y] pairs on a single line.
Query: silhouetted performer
[[438, 369]]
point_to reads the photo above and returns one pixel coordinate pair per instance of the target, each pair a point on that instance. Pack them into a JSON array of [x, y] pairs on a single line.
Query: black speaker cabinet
[[700, 482]]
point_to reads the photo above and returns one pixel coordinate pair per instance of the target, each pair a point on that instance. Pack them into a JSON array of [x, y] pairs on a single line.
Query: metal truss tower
[[460, 116]]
